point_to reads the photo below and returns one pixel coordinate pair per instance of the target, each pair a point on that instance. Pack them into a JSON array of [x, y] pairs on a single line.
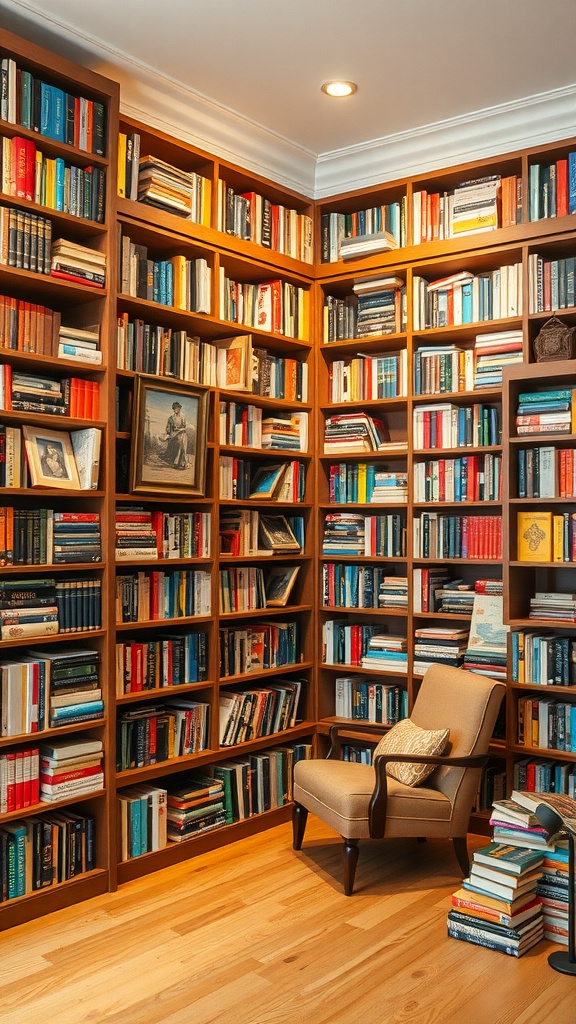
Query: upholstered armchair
[[364, 802]]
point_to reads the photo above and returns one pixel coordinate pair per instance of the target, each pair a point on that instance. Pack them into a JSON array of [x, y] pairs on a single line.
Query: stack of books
[[393, 592], [455, 597], [379, 305], [344, 534], [475, 206], [354, 432], [75, 537], [515, 824], [439, 645], [356, 246], [169, 188], [80, 344], [135, 536], [552, 887], [285, 433], [386, 653], [389, 488], [70, 768], [552, 605], [492, 353], [497, 906], [28, 608], [195, 805], [546, 412], [486, 651], [78, 263], [73, 684]]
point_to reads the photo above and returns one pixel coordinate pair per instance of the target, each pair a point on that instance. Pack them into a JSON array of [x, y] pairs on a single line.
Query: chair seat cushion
[[339, 793]]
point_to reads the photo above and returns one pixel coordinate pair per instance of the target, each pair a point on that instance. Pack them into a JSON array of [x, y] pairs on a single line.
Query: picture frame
[[267, 480], [169, 435], [275, 534], [278, 584], [50, 458]]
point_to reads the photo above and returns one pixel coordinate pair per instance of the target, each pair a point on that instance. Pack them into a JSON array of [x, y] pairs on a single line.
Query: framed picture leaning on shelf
[[50, 458], [169, 426]]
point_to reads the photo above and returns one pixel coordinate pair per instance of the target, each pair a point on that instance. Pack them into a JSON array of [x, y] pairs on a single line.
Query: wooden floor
[[257, 934]]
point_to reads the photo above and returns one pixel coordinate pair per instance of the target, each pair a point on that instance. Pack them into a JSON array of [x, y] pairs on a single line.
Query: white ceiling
[[418, 63]]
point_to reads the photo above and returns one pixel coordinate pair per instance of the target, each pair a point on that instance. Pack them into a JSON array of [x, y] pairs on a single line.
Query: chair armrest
[[378, 801], [360, 729]]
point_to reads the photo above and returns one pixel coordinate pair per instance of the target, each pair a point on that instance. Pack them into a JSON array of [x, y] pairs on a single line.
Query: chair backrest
[[468, 705]]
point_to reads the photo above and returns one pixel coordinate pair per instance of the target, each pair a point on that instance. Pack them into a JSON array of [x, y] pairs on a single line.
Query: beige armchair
[[362, 802]]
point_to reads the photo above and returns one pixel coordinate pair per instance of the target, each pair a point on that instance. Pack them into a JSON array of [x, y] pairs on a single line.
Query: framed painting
[[169, 428], [50, 458]]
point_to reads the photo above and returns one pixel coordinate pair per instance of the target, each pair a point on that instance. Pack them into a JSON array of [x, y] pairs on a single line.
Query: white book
[[86, 444]]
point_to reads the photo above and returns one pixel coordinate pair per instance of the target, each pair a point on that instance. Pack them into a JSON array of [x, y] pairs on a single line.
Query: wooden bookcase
[[239, 262]]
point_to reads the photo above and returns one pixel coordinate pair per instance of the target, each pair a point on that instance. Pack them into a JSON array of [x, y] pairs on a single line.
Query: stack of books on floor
[[70, 768], [492, 353], [78, 263], [553, 883], [497, 906]]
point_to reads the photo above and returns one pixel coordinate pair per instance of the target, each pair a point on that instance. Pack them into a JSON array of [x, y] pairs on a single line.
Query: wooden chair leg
[[461, 851], [299, 819], [351, 852]]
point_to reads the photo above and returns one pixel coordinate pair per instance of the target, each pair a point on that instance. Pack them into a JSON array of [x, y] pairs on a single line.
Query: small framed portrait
[[50, 458], [169, 434]]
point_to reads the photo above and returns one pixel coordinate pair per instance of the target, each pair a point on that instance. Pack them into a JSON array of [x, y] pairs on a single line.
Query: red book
[[74, 278], [51, 779], [11, 780], [19, 779], [24, 162], [562, 188]]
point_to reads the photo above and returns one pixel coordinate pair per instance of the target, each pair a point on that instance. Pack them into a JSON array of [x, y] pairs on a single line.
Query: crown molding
[[179, 111], [532, 121]]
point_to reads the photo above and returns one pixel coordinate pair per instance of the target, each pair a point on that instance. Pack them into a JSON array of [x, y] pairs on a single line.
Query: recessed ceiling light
[[339, 88]]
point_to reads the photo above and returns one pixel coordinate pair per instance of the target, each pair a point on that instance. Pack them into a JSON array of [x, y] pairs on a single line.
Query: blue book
[[59, 177], [467, 302], [572, 182], [58, 115]]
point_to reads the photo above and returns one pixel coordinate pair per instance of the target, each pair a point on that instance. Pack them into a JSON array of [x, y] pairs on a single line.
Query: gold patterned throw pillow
[[407, 738]]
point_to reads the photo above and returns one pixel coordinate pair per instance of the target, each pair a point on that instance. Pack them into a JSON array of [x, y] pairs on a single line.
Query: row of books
[[364, 700], [450, 536], [467, 298], [246, 588], [19, 779], [44, 606], [254, 218], [68, 396], [28, 326], [43, 536], [541, 659], [169, 660], [550, 193], [366, 378], [163, 351], [32, 103], [152, 734], [345, 643], [546, 472], [143, 820], [483, 204], [362, 586], [276, 306], [250, 532], [145, 534], [249, 714], [541, 775], [157, 595], [444, 425], [244, 426], [25, 240], [351, 533], [546, 723], [383, 219], [280, 481], [44, 850], [469, 478], [177, 282], [551, 283], [445, 369], [45, 688], [261, 645], [27, 173], [366, 483]]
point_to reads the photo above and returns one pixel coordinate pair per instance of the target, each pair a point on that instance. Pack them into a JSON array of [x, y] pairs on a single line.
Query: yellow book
[[573, 412], [534, 536], [362, 482], [122, 165], [206, 200], [558, 539], [179, 265]]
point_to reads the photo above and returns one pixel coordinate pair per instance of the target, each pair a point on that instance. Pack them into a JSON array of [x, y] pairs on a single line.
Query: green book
[[514, 860]]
